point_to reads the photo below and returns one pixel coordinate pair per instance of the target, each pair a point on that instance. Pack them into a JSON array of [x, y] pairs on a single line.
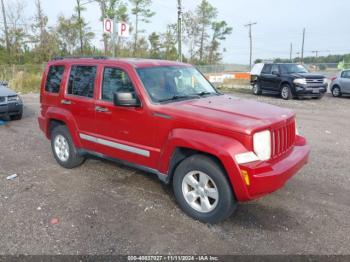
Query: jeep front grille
[[282, 139]]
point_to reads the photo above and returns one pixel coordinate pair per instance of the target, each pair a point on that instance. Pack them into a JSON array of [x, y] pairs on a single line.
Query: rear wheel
[[202, 189], [256, 89], [336, 91], [286, 92], [64, 149]]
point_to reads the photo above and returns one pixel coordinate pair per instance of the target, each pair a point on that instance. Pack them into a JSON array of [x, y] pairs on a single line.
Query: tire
[[256, 89], [211, 203], [286, 92], [336, 92], [16, 117], [64, 149]]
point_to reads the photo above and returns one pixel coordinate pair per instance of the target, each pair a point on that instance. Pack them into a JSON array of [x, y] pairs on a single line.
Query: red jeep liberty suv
[[165, 118]]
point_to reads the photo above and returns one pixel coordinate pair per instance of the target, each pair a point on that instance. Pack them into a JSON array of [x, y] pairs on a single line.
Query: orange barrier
[[220, 78]]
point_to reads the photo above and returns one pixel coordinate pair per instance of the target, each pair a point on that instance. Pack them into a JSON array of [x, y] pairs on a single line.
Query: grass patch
[[22, 78], [25, 82]]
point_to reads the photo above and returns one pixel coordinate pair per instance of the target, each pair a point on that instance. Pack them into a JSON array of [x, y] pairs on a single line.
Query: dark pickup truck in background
[[287, 80], [10, 103]]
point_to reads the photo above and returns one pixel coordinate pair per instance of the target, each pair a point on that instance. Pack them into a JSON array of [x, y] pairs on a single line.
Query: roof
[[135, 62]]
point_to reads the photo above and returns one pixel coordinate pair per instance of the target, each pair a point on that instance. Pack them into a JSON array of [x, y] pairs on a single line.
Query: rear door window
[[275, 69], [115, 80], [82, 81], [267, 69], [54, 79]]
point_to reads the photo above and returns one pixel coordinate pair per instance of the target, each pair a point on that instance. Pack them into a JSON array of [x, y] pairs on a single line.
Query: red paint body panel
[[221, 126]]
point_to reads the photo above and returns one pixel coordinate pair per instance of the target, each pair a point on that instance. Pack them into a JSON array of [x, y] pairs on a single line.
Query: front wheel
[[64, 149], [336, 91], [202, 189], [286, 92]]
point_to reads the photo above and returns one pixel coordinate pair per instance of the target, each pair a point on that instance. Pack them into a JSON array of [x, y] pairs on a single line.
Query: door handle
[[66, 102], [101, 109]]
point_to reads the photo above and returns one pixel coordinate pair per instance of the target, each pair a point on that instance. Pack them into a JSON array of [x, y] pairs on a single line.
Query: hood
[[229, 112], [4, 91], [308, 76]]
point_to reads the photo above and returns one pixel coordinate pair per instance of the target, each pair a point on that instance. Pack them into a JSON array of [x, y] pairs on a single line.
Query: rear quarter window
[[54, 79]]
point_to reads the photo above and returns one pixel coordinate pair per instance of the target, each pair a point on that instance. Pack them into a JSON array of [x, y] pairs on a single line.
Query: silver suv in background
[[10, 103], [340, 84]]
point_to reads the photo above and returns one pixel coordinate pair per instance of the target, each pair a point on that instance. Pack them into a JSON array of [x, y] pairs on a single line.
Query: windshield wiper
[[177, 97], [204, 93]]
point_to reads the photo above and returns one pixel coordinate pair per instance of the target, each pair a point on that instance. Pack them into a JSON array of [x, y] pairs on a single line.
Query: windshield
[[169, 83], [293, 69]]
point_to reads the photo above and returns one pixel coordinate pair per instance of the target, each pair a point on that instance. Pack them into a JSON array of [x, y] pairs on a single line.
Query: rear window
[[54, 79], [82, 81]]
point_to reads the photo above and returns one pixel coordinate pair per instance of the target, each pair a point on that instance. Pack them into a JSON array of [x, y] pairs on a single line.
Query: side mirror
[[126, 99], [276, 73]]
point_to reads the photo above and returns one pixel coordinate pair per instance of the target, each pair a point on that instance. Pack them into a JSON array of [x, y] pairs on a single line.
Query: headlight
[[262, 145], [13, 98], [262, 149], [325, 81], [296, 128], [300, 81]]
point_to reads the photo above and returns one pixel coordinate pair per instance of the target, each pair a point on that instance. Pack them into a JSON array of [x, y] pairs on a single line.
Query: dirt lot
[[103, 208]]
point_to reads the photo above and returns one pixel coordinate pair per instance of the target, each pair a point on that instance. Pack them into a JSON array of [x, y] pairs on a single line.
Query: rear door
[[275, 78], [79, 98], [345, 81], [265, 77]]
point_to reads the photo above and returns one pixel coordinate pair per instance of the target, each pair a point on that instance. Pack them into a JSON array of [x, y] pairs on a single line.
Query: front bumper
[[11, 109], [267, 177], [310, 90]]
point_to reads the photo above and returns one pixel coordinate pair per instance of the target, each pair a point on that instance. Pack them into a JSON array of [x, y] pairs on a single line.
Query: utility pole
[[5, 26], [80, 27], [302, 47], [251, 42], [291, 53], [316, 53], [179, 29]]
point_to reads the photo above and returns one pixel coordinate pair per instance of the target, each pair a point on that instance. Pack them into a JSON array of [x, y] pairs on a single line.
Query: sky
[[279, 23]]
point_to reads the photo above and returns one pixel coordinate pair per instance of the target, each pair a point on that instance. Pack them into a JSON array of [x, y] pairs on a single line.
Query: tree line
[[330, 59], [32, 41]]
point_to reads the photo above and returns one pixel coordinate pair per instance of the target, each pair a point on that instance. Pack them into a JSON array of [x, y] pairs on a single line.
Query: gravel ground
[[104, 208]]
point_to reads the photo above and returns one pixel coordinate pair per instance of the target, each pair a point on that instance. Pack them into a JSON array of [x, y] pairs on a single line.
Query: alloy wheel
[[61, 148], [200, 191]]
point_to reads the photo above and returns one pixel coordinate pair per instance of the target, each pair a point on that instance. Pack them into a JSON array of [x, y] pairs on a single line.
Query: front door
[[125, 133], [345, 82]]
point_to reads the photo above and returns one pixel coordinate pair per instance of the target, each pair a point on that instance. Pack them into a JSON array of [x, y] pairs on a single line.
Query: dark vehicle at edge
[[287, 80], [11, 104]]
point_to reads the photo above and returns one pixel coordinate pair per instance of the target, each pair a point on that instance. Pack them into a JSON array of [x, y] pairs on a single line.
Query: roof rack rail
[[79, 57]]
